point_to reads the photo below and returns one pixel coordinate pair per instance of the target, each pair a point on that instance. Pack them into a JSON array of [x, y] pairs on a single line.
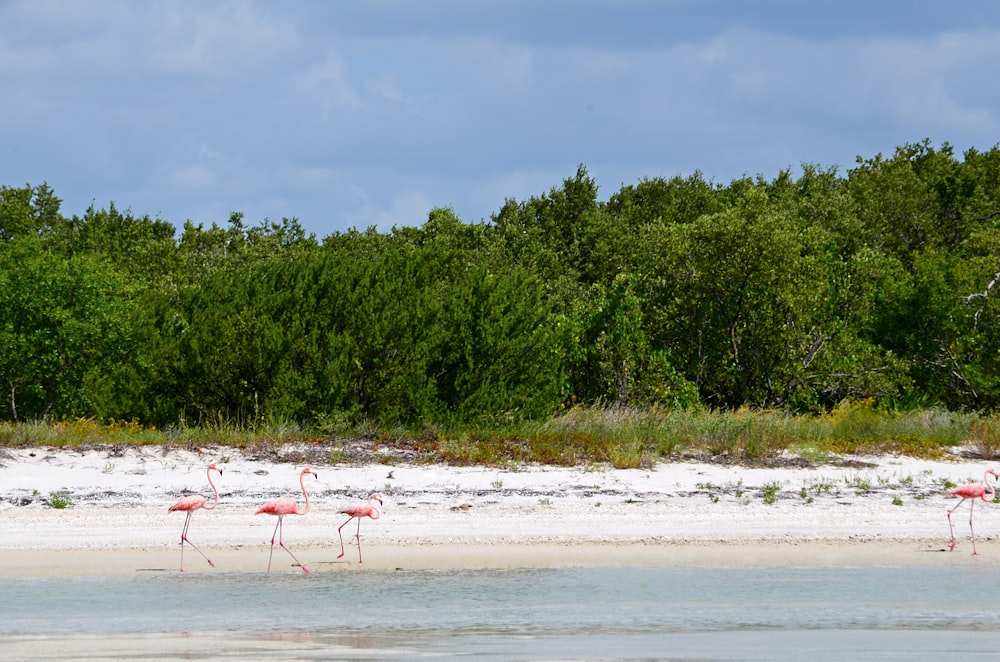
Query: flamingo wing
[[353, 510], [279, 507], [970, 490], [189, 503], [357, 510]]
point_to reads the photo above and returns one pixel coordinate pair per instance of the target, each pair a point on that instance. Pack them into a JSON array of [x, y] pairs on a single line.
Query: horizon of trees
[[797, 293]]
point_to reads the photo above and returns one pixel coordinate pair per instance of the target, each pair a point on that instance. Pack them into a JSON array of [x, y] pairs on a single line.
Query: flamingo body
[[357, 511], [188, 503], [285, 506], [363, 509], [970, 491], [191, 503], [984, 490]]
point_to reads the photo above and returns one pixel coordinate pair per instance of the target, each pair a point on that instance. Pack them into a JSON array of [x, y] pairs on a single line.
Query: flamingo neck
[[302, 482], [214, 489], [376, 511], [989, 486]]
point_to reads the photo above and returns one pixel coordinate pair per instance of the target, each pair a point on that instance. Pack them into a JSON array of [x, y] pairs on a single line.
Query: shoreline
[[874, 511], [460, 557]]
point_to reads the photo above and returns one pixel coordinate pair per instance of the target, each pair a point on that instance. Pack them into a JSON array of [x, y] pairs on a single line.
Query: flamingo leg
[[199, 551], [279, 530], [184, 539], [342, 536], [187, 521], [952, 528], [271, 555], [358, 536], [971, 508], [304, 569]]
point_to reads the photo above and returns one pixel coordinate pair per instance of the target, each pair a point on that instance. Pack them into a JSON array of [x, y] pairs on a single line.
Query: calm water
[[912, 613]]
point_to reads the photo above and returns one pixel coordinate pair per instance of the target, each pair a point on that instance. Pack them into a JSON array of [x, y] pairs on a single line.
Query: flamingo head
[[993, 471], [212, 467], [307, 470], [376, 497]]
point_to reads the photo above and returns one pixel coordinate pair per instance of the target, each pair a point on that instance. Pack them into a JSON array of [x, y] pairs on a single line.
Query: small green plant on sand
[[771, 492], [59, 500]]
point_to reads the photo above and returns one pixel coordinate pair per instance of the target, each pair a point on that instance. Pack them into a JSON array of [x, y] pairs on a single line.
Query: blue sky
[[373, 112]]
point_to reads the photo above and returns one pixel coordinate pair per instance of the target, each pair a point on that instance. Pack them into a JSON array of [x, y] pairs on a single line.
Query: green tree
[[27, 211], [611, 360], [545, 234], [495, 352], [611, 239], [140, 247], [62, 322]]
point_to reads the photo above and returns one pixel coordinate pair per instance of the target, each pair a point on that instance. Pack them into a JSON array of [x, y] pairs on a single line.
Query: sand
[[858, 511]]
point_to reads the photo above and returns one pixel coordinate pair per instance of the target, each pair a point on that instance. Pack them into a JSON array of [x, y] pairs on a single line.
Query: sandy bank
[[403, 558], [876, 510]]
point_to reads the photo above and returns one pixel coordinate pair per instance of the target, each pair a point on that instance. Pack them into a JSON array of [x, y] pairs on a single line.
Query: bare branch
[[984, 295], [817, 344]]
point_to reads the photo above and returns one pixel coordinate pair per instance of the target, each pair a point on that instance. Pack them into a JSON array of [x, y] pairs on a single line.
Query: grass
[[770, 492], [59, 500], [582, 436], [984, 434], [82, 432]]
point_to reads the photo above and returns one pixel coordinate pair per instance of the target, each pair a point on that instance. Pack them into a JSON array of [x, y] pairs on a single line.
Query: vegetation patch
[[583, 436]]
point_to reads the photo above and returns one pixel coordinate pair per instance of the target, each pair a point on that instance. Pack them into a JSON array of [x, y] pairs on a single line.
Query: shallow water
[[579, 613]]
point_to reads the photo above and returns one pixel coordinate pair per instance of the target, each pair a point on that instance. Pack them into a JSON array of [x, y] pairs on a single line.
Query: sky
[[374, 112]]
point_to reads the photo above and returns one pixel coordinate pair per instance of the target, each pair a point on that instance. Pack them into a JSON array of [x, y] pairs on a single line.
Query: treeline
[[795, 293]]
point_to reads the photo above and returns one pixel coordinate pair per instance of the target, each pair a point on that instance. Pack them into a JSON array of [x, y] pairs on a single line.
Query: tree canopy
[[797, 292]]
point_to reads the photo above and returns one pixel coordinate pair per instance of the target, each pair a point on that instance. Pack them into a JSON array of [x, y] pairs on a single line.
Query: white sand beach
[[858, 511]]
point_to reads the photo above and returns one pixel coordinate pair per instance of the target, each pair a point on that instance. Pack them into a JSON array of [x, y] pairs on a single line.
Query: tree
[[545, 234], [62, 322], [27, 211], [611, 240], [610, 359], [141, 247]]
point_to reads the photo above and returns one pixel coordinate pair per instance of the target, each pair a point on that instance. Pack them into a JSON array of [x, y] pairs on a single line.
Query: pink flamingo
[[972, 491], [359, 510], [282, 507], [189, 504]]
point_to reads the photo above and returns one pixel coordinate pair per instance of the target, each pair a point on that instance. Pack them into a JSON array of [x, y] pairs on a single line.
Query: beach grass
[[620, 437]]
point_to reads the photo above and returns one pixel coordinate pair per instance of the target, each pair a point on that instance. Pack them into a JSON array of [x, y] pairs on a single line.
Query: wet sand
[[445, 557]]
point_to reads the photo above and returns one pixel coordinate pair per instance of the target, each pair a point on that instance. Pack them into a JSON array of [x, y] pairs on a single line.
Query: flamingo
[[359, 510], [191, 503], [282, 507], [984, 491]]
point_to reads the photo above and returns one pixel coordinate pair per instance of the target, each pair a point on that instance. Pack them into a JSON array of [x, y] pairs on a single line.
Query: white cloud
[[327, 82], [218, 39], [373, 113]]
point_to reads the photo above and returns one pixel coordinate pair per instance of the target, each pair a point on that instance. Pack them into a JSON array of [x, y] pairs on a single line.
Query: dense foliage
[[796, 293]]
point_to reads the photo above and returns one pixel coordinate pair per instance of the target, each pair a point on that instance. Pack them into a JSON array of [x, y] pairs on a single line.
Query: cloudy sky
[[373, 112]]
